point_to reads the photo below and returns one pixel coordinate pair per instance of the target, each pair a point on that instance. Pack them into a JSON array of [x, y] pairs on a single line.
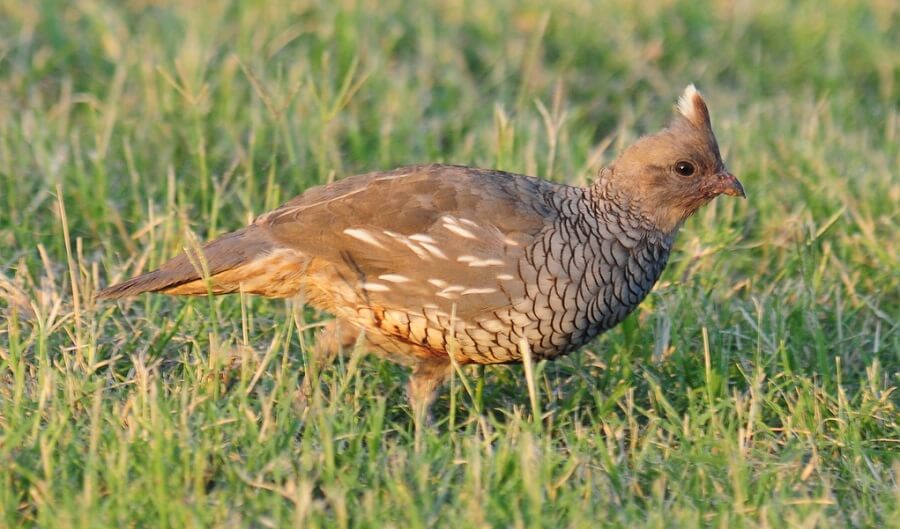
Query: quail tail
[[224, 261]]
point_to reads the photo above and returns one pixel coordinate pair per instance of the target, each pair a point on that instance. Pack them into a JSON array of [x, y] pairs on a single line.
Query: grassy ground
[[754, 388]]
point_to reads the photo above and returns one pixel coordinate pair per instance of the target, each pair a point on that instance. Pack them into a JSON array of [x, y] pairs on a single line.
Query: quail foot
[[424, 262]]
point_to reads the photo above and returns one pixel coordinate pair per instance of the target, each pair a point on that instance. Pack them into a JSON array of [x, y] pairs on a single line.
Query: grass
[[756, 387]]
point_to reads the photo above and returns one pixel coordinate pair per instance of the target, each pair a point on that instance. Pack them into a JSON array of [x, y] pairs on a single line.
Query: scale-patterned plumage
[[438, 260]]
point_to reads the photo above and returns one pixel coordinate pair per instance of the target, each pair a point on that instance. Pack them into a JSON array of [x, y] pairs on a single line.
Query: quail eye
[[684, 168]]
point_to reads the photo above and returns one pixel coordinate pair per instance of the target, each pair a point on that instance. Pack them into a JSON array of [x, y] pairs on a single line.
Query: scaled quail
[[429, 261]]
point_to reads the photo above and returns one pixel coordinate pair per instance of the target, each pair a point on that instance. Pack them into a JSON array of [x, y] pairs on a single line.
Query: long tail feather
[[228, 252]]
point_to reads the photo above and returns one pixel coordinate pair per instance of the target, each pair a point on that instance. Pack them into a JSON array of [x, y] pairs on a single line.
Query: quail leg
[[424, 382], [334, 337]]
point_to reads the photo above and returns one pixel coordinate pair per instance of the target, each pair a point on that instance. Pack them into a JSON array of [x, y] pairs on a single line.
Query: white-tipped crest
[[686, 106]]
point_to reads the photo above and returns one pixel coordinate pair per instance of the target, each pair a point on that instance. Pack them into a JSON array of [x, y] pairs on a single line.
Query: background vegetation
[[756, 387]]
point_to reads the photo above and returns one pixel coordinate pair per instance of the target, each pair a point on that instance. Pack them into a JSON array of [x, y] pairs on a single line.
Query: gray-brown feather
[[436, 260], [447, 259], [220, 255]]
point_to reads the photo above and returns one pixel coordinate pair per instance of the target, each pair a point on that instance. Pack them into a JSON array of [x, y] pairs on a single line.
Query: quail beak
[[728, 184]]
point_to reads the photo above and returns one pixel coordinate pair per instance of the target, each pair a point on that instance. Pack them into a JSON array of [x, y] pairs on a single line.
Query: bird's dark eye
[[684, 168]]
